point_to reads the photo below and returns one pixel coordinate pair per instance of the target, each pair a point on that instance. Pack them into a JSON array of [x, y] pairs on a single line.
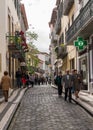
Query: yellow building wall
[[71, 49]]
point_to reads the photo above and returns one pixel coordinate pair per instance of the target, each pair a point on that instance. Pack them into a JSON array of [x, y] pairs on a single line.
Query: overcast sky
[[38, 15]]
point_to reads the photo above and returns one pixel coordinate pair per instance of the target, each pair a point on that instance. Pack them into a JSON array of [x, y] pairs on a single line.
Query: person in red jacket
[[23, 81]]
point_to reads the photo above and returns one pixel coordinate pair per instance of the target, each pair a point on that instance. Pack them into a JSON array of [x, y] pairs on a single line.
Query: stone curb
[[6, 120], [84, 104]]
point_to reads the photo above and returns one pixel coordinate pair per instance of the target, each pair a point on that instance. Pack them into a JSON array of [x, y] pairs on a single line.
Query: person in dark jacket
[[67, 81], [59, 83], [77, 82], [18, 78]]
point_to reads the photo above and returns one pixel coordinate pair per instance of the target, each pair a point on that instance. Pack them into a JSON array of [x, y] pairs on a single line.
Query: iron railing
[[86, 14]]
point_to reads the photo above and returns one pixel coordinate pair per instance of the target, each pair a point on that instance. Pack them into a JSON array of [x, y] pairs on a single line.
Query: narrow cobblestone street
[[42, 109]]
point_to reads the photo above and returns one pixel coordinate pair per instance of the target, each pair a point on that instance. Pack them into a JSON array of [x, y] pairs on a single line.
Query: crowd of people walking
[[23, 80], [26, 79], [71, 82]]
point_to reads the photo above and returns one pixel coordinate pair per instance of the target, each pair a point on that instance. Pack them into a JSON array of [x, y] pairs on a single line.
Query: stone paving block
[[42, 109]]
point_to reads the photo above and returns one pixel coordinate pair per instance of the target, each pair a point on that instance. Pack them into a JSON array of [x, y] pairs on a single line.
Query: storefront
[[83, 68], [85, 63], [91, 65]]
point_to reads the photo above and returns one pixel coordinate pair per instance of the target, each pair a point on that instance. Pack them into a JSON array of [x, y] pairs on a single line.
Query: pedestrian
[[18, 78], [27, 79], [77, 81], [23, 80], [58, 81], [31, 79], [6, 84], [55, 76], [46, 80], [67, 81], [36, 79]]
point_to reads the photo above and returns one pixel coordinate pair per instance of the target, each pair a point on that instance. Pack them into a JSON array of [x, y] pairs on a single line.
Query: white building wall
[[42, 57], [6, 7], [3, 29]]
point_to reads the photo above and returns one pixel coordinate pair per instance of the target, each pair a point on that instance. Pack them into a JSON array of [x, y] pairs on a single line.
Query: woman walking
[[6, 84], [77, 81]]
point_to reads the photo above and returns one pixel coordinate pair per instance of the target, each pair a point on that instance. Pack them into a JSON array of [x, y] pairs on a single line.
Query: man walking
[[67, 81], [18, 78]]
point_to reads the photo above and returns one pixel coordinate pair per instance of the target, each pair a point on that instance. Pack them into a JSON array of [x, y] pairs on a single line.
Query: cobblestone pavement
[[42, 109]]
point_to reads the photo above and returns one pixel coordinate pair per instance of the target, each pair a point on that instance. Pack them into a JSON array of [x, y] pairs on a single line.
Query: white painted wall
[[3, 29], [44, 57], [6, 6]]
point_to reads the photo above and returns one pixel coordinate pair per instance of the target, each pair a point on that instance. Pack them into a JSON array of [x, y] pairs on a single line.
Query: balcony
[[62, 52], [61, 39], [67, 6], [12, 47], [17, 45], [83, 24], [53, 37], [58, 26]]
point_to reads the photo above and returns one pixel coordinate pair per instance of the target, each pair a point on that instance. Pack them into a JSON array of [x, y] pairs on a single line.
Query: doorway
[[83, 67]]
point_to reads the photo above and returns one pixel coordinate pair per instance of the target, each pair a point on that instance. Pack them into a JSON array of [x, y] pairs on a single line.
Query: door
[[83, 67]]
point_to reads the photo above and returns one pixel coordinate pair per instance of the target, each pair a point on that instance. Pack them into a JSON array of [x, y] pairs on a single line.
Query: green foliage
[[47, 62], [31, 36], [36, 62]]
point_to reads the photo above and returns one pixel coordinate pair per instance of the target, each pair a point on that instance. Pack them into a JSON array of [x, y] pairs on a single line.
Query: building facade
[[9, 26], [72, 24], [81, 26], [43, 56]]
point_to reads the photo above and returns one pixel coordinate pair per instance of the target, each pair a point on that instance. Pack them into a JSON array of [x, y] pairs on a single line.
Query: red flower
[[24, 46], [21, 33]]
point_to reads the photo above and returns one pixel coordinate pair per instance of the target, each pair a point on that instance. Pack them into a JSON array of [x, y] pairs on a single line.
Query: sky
[[38, 15]]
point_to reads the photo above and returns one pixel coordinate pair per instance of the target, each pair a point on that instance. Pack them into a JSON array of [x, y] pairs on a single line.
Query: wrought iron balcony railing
[[53, 37], [17, 44], [58, 26], [81, 22], [62, 52]]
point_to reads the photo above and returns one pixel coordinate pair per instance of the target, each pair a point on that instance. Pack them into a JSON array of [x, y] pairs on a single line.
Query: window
[[9, 24]]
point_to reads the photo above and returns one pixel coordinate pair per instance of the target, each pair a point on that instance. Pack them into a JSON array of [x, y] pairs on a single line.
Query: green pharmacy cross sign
[[80, 43]]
